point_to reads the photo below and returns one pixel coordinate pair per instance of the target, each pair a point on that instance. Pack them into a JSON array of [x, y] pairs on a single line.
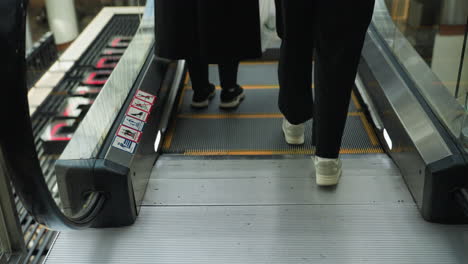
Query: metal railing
[[11, 237]]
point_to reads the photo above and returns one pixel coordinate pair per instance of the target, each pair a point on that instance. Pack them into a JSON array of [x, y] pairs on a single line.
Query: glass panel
[[463, 84], [464, 88], [427, 36], [1, 249]]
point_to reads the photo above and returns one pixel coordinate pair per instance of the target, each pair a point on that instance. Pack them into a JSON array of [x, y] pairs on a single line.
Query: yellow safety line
[[187, 78], [235, 115], [170, 135], [356, 101], [246, 152], [275, 152], [250, 87], [226, 116], [181, 99], [369, 130]]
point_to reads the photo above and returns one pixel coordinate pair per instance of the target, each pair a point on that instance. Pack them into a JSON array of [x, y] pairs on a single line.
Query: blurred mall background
[[435, 28]]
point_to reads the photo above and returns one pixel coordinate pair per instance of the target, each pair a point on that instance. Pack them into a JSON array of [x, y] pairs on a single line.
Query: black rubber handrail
[[16, 134]]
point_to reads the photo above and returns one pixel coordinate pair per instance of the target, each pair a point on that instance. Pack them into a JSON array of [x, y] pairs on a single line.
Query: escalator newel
[[16, 136]]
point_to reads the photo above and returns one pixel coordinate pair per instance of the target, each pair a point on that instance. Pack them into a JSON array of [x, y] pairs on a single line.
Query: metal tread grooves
[[254, 128], [252, 135], [269, 234]]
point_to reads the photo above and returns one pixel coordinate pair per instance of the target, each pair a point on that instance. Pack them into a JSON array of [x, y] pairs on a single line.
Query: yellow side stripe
[[238, 116], [252, 87], [275, 152], [356, 101], [369, 130]]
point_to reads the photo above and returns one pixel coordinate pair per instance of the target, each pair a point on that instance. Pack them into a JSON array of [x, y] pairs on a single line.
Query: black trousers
[[198, 70], [197, 64], [335, 30]]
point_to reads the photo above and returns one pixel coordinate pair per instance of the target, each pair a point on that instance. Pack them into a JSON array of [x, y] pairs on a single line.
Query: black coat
[[219, 30]]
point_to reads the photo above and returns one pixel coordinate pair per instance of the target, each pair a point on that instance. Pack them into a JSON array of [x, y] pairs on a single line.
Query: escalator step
[[258, 134], [254, 128]]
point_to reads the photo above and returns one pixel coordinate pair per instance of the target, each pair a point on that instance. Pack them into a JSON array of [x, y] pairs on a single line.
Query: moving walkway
[[161, 182]]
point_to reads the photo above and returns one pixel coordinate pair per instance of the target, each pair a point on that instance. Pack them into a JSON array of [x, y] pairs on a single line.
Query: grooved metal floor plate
[[279, 182], [208, 136], [335, 231]]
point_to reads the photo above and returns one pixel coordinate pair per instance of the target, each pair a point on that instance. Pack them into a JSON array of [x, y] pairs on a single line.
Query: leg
[[232, 94], [340, 38], [228, 74], [295, 66], [198, 70], [203, 91]]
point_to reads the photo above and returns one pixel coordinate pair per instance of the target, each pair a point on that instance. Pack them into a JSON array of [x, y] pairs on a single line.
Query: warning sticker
[[129, 133], [133, 123], [124, 144], [145, 96], [137, 113], [142, 105]]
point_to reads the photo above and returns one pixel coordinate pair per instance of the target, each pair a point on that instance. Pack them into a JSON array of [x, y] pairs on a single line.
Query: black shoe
[[231, 98], [202, 100]]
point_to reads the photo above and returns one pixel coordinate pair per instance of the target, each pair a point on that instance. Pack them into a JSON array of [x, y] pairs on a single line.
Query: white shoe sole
[[293, 140], [328, 180], [205, 103], [234, 103]]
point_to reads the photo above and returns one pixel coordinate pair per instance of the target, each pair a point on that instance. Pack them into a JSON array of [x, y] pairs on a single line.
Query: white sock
[[325, 159]]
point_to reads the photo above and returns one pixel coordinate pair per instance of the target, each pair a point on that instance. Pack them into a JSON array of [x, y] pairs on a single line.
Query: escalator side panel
[[423, 150]]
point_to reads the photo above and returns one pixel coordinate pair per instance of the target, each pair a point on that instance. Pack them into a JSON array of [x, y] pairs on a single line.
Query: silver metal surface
[[279, 182], [178, 78], [92, 131], [357, 231], [403, 102], [11, 235], [146, 151], [430, 86], [400, 121]]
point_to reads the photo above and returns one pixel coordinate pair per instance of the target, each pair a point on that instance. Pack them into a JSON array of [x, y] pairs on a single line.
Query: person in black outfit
[[223, 32], [335, 30]]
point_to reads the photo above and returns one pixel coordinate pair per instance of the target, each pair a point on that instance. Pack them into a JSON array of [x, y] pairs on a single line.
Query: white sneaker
[[294, 134], [327, 171]]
